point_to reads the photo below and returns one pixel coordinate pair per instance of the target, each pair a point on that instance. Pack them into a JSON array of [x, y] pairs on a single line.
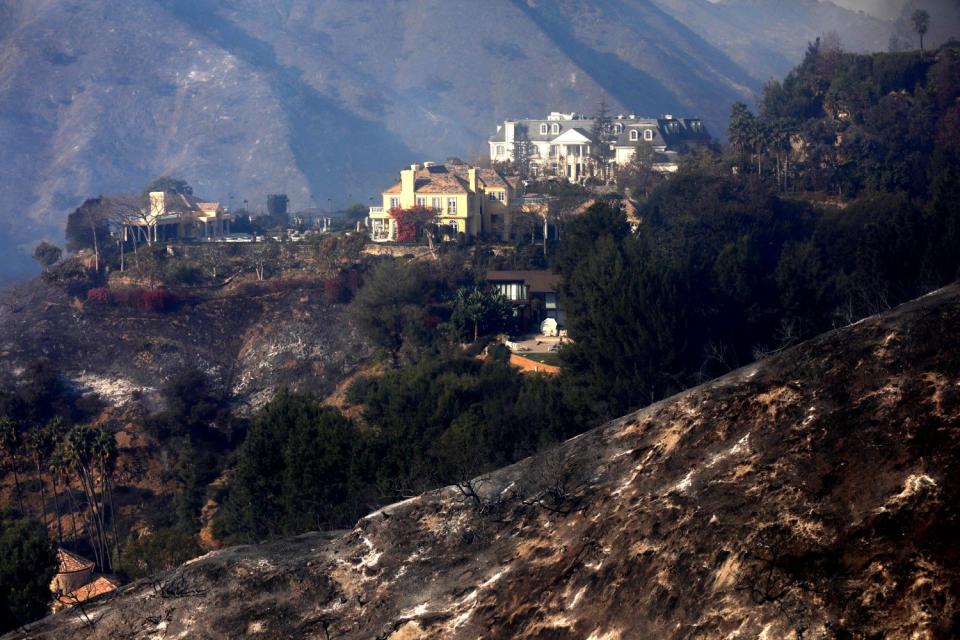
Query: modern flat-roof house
[[561, 144], [465, 200], [533, 294]]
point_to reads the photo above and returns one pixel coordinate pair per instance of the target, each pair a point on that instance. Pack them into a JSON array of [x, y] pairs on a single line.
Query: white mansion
[[561, 143]]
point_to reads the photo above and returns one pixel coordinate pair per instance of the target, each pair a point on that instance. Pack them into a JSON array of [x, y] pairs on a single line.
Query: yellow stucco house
[[466, 200]]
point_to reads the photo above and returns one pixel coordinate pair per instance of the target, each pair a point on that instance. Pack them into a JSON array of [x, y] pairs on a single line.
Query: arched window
[[634, 135], [618, 128], [543, 128], [648, 134], [554, 128]]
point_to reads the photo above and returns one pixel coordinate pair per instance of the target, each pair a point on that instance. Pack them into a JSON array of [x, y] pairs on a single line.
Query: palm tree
[[105, 451], [39, 444], [921, 23], [9, 445], [470, 303], [59, 468], [482, 305], [80, 448]]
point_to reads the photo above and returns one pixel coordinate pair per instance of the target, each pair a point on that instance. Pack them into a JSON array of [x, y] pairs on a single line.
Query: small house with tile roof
[[92, 589], [466, 201], [73, 571]]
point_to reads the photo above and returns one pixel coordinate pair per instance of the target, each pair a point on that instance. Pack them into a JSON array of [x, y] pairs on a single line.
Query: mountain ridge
[[323, 101]]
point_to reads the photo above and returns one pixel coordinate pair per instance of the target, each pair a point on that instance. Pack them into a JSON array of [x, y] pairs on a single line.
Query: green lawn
[[544, 358]]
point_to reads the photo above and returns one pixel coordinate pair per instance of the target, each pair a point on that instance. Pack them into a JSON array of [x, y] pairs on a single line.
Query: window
[[554, 128], [634, 135], [514, 292], [618, 128], [380, 229], [501, 195], [499, 149], [451, 206], [394, 203], [421, 201], [435, 203], [648, 134], [543, 129]]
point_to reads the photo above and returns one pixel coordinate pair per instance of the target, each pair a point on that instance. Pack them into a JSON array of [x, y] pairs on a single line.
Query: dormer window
[[543, 129], [554, 128], [618, 128], [648, 134], [634, 135]]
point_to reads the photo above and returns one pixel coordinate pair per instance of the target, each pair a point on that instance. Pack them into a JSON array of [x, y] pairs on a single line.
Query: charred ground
[[247, 343], [810, 495]]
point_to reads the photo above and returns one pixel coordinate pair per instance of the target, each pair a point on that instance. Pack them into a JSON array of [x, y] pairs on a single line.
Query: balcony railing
[[376, 211]]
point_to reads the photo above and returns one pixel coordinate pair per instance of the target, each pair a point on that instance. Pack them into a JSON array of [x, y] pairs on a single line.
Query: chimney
[[158, 205], [472, 178], [414, 166], [509, 130], [407, 182]]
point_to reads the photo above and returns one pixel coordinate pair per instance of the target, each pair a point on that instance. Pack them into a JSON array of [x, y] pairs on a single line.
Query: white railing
[[376, 210]]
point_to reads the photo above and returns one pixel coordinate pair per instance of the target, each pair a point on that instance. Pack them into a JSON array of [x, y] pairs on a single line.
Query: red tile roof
[[71, 562], [93, 589]]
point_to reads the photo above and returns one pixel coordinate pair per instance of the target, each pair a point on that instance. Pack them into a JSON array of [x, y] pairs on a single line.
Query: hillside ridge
[[809, 494]]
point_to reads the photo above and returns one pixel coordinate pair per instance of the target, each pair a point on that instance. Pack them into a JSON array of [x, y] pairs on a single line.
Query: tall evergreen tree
[[601, 133]]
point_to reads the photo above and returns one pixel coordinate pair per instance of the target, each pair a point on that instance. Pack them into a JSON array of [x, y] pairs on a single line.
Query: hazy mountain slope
[[768, 38], [814, 494], [325, 99], [944, 23]]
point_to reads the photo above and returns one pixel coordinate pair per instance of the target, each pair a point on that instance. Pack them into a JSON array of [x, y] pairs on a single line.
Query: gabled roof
[[449, 178], [668, 131], [436, 179], [71, 563], [574, 135], [93, 589]]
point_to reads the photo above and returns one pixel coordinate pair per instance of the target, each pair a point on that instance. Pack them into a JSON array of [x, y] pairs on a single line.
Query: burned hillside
[[812, 495]]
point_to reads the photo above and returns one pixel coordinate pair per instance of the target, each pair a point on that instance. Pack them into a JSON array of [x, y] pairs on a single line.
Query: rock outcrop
[[813, 494]]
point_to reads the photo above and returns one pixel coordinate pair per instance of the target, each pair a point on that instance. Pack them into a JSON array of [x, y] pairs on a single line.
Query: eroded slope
[[815, 492]]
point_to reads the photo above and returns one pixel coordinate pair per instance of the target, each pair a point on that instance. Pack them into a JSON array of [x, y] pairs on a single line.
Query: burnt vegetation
[[838, 200]]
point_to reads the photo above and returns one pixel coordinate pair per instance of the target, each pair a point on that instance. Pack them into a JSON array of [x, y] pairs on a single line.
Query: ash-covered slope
[[247, 345], [816, 491]]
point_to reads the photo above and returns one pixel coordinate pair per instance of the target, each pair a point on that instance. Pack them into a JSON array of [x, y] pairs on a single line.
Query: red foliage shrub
[[157, 301], [126, 297], [289, 284], [252, 289], [410, 222], [336, 289], [100, 295]]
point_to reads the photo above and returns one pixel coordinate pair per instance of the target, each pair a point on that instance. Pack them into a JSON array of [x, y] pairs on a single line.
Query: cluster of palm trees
[[69, 457], [749, 134]]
